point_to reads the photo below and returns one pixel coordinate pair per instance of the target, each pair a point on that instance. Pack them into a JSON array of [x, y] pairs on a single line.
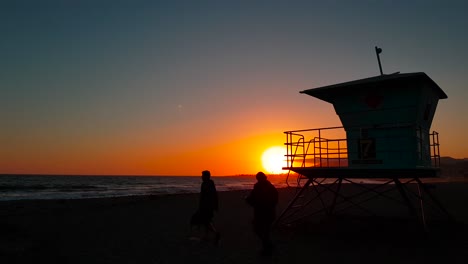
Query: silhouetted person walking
[[208, 203], [263, 198]]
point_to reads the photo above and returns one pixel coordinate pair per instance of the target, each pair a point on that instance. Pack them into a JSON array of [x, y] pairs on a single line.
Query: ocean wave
[[15, 187], [81, 187]]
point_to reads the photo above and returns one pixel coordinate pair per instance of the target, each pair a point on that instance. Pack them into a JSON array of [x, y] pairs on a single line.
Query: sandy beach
[[155, 229]]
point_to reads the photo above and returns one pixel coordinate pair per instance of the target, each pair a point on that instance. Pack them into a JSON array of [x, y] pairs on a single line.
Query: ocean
[[39, 187]]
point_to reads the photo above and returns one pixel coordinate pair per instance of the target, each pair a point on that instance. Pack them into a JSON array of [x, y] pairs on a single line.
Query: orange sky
[[233, 157]]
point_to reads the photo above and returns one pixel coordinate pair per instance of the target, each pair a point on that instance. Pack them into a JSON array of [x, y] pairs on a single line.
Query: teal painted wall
[[390, 122]]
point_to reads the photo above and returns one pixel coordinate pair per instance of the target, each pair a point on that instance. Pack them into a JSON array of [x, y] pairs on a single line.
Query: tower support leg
[[400, 188], [306, 185], [332, 207], [433, 198]]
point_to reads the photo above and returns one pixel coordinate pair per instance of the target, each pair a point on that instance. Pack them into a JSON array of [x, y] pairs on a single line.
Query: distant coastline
[[450, 167]]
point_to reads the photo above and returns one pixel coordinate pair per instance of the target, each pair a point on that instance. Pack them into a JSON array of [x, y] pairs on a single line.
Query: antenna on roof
[[378, 51]]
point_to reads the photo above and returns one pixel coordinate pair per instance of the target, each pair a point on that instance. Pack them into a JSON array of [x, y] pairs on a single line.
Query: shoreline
[[222, 188]]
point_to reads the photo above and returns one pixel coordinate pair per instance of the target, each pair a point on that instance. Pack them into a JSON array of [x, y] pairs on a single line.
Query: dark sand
[[155, 230]]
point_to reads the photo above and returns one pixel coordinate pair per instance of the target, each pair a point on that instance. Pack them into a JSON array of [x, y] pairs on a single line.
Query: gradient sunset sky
[[177, 87]]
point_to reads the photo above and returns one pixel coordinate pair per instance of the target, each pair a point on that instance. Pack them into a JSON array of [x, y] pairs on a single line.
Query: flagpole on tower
[[378, 51]]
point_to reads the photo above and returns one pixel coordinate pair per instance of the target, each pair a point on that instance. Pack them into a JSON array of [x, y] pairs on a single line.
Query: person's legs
[[266, 241], [205, 222], [262, 230], [217, 235], [194, 226], [206, 228], [210, 228]]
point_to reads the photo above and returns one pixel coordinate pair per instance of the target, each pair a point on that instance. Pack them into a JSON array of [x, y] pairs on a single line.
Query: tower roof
[[328, 92]]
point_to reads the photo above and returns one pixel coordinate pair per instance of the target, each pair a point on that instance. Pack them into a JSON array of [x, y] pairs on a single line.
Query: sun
[[273, 159]]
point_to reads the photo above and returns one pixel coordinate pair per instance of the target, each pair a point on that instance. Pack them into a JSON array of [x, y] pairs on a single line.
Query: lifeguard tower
[[385, 139]]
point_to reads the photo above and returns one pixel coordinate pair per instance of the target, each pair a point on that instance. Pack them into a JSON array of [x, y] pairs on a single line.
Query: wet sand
[[155, 229]]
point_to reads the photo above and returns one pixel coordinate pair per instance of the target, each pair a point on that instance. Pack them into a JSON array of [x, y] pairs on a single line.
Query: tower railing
[[320, 147], [434, 146], [328, 147]]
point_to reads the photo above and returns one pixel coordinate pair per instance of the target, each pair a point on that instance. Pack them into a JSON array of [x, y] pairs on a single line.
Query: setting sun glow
[[273, 159]]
